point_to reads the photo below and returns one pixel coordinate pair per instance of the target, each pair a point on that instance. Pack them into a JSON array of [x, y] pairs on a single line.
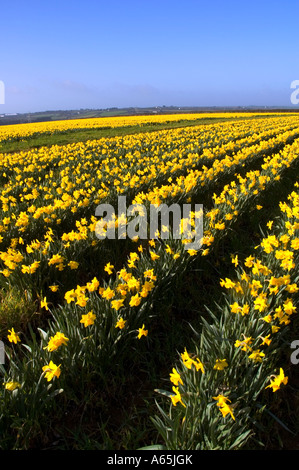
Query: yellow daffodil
[[142, 332], [278, 380], [220, 364], [176, 398], [117, 304], [11, 386], [88, 319], [51, 370], [13, 337], [175, 377], [224, 407], [109, 268], [120, 323], [56, 341], [44, 304]]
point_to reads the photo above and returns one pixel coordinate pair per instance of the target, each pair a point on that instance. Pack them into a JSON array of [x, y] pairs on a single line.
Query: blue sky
[[99, 54]]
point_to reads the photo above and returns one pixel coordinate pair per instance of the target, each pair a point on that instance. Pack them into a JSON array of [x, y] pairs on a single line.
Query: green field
[[116, 390]]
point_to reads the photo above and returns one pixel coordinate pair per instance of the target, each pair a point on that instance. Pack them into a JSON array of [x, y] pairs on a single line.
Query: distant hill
[[56, 115]]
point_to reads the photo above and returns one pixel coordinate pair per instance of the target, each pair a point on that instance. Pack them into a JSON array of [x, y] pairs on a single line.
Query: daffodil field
[[140, 343]]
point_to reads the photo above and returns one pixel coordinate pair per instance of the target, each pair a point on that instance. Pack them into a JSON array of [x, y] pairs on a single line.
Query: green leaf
[[240, 440], [164, 392], [43, 334], [279, 421]]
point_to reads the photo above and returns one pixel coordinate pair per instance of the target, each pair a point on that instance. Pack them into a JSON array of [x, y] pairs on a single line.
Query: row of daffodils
[[96, 313], [39, 239], [219, 389], [22, 131]]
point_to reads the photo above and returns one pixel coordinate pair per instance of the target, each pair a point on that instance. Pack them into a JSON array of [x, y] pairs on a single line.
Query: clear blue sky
[[100, 53]]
